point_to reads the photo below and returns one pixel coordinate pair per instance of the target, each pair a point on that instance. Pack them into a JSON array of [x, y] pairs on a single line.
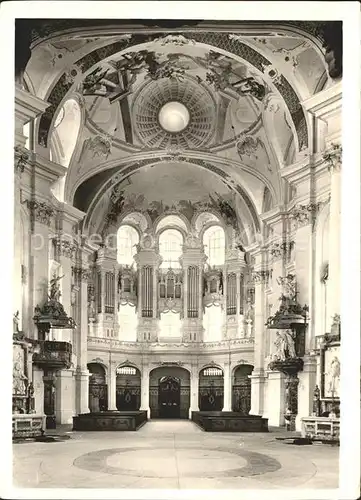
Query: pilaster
[[227, 392], [64, 397], [306, 386], [144, 398]]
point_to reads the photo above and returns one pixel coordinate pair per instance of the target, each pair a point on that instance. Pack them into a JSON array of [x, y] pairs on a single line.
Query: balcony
[[239, 344], [53, 355]]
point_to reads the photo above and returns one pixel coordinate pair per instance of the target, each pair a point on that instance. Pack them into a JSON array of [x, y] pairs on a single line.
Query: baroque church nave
[[177, 215]]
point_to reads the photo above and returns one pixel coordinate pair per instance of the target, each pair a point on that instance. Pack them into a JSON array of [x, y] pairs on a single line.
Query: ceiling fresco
[[242, 85], [180, 188]]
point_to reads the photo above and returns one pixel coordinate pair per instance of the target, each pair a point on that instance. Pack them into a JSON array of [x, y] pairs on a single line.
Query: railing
[[53, 354], [98, 342]]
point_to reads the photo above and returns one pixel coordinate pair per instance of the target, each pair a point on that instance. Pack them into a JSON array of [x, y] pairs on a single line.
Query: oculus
[[174, 117]]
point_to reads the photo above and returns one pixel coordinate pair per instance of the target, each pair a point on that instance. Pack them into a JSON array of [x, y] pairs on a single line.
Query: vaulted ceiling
[[241, 85]]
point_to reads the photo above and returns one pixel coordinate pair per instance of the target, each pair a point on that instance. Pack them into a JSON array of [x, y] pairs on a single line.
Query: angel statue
[[55, 293]]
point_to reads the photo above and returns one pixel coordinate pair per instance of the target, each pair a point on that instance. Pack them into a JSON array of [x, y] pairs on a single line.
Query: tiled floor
[[174, 455]]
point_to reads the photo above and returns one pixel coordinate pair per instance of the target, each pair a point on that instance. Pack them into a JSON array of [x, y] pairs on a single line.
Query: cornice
[[273, 216], [44, 168], [28, 106], [301, 171], [325, 103], [70, 213]]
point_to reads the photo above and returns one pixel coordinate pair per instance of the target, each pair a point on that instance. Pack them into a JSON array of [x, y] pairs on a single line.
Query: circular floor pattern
[[184, 462]]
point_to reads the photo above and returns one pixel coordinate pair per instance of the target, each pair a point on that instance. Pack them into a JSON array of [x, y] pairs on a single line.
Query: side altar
[[25, 422]]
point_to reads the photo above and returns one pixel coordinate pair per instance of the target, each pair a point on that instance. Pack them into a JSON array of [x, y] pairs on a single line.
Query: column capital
[[65, 247], [81, 273], [41, 211], [306, 214]]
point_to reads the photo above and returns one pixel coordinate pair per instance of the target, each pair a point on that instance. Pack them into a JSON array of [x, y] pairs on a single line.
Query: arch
[[127, 239], [214, 241], [211, 365], [128, 387], [211, 388], [66, 127], [170, 247], [174, 221], [169, 404], [241, 388], [267, 204], [64, 140], [98, 388], [201, 219], [119, 177], [137, 219]]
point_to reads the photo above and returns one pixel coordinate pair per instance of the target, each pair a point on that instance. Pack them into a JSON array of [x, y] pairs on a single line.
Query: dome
[[174, 113]]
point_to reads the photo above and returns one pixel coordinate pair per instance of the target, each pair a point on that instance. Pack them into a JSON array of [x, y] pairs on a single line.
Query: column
[[334, 282], [227, 380], [144, 390], [261, 277], [64, 397], [112, 386], [41, 214], [82, 373], [276, 399], [38, 384], [194, 390], [306, 387], [28, 165]]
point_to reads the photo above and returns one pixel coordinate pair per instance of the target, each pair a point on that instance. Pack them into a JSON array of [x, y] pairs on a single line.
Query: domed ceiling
[[227, 97], [193, 105]]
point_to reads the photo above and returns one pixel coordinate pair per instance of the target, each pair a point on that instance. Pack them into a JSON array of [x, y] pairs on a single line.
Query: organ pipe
[[193, 292], [231, 294], [147, 291]]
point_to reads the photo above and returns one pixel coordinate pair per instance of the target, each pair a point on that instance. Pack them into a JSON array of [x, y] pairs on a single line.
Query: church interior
[[177, 194]]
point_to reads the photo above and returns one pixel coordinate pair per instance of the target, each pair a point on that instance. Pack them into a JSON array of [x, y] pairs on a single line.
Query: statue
[[55, 293], [334, 374], [16, 320], [285, 345], [19, 378]]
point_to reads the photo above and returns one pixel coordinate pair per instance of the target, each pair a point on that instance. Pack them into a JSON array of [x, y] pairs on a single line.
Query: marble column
[[227, 380]]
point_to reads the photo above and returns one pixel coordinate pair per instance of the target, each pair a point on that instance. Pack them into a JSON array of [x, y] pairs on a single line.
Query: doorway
[[169, 397], [169, 392]]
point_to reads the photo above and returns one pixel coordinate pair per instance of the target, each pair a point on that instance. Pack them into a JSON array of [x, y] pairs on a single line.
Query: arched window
[[128, 322], [212, 323], [170, 248], [127, 239], [170, 325], [214, 245]]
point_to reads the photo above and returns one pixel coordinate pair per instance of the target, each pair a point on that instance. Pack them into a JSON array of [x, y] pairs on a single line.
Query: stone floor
[[174, 455]]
